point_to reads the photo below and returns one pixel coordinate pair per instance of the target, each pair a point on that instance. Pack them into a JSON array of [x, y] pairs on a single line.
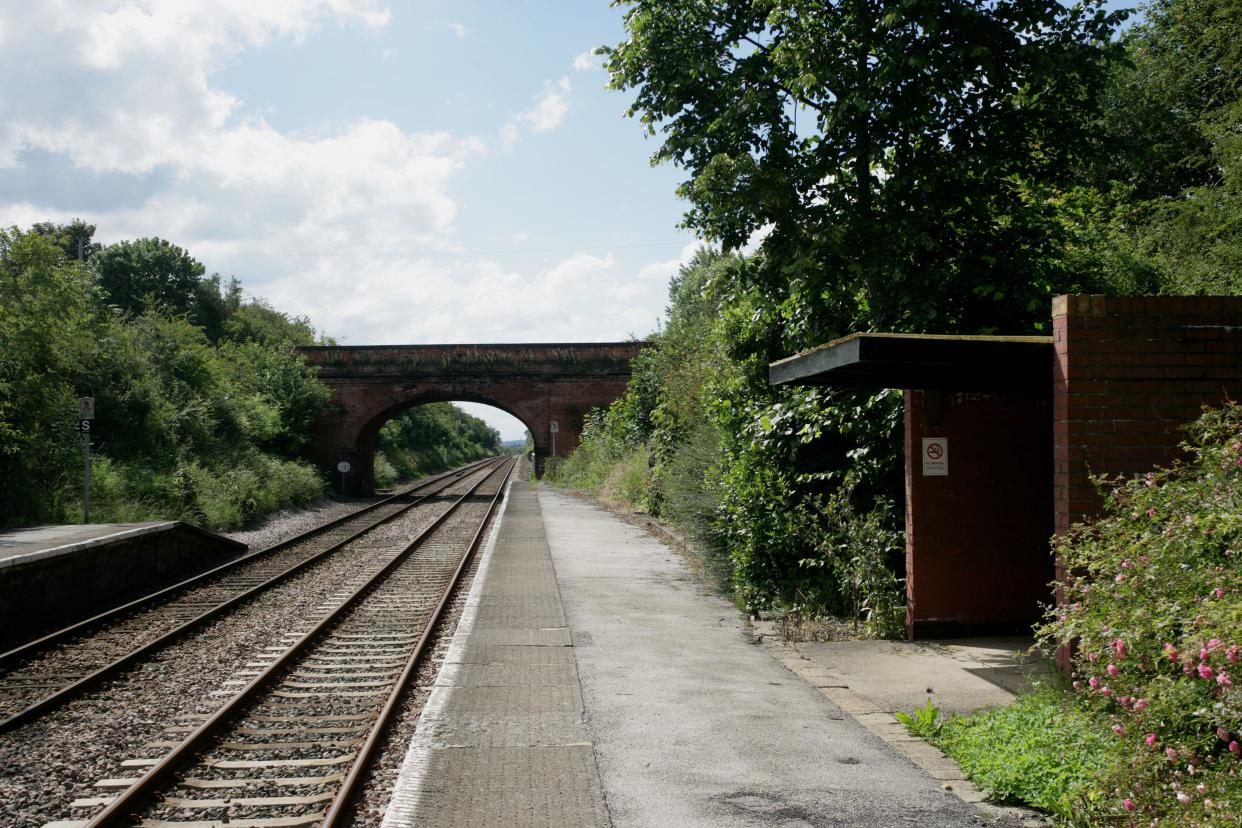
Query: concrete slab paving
[[694, 725]]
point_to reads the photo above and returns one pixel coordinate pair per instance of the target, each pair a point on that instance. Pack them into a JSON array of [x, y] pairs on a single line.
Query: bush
[[1153, 613]]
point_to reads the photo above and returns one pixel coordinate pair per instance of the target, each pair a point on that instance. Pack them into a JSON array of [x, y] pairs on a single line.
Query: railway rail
[[44, 674], [292, 745]]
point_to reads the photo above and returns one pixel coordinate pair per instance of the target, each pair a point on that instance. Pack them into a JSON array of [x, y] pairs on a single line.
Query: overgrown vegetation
[[203, 411]]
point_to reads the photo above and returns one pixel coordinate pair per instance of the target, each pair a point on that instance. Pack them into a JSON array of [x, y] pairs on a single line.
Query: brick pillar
[[1130, 372]]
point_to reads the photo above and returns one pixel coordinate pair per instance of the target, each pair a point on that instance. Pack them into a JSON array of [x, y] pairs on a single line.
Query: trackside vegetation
[[203, 411]]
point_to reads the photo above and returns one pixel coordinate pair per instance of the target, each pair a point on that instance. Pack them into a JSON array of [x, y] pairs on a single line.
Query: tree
[[889, 147], [1165, 187], [139, 273], [76, 239]]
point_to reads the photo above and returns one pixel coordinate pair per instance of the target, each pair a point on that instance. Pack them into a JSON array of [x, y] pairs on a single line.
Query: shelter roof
[[924, 362]]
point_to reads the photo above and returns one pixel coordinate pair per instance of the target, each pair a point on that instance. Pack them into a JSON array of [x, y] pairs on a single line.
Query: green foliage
[[923, 722], [1041, 750], [47, 323], [432, 438], [1166, 179], [186, 426], [1154, 613], [884, 146]]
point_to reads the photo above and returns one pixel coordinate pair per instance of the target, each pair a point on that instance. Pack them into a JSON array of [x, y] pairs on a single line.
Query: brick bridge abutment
[[539, 384]]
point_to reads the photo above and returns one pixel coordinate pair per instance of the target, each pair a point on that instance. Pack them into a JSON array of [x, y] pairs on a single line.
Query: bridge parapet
[[571, 360]]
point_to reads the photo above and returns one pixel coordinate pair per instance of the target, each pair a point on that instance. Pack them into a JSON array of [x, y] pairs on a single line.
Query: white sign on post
[[935, 457]]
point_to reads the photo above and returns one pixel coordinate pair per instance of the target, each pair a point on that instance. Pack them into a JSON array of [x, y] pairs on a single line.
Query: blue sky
[[396, 171]]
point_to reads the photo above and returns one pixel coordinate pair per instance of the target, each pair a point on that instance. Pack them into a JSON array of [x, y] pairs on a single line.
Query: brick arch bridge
[[538, 384]]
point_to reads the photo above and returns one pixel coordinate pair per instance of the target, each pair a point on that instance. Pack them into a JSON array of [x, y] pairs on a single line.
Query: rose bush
[[1153, 615]]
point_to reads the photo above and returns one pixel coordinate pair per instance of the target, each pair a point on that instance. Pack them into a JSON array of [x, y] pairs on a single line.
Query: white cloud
[[352, 224], [588, 61], [458, 29], [548, 113]]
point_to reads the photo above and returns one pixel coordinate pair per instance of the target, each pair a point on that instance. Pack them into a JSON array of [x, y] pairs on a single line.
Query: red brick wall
[[977, 558], [1129, 373]]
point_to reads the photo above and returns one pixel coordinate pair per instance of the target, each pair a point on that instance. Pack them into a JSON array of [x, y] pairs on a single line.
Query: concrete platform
[[594, 680], [52, 576]]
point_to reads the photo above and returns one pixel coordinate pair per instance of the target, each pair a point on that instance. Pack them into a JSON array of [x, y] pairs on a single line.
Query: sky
[[397, 171]]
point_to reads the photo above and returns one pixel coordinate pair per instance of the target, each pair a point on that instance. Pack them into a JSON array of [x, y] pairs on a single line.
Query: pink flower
[[1213, 643], [1172, 652], [1093, 657], [1222, 678], [1112, 670], [1093, 682], [1106, 690], [1150, 740], [1151, 513], [1234, 748], [1183, 797], [1203, 654], [1223, 734], [1201, 789], [1119, 730], [1078, 685], [1119, 647], [1171, 754], [1140, 705], [1219, 592], [1125, 563], [1205, 672], [1121, 578], [1232, 654]]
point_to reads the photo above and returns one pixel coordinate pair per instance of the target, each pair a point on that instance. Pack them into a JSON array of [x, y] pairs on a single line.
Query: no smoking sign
[[935, 457]]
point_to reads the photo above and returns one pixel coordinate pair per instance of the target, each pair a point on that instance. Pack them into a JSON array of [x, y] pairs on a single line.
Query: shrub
[[1153, 613]]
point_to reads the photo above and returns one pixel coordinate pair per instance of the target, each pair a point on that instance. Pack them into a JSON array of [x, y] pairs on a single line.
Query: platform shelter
[[1002, 435]]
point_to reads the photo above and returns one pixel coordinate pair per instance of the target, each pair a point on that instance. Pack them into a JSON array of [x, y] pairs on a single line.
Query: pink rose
[[1223, 734], [1171, 754], [1127, 804], [1119, 647], [1232, 654], [1150, 740], [1106, 691], [1093, 682], [1140, 705], [1112, 670], [1233, 747], [1223, 679], [1205, 672], [1119, 730]]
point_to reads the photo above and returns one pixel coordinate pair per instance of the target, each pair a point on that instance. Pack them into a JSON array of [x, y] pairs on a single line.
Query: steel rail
[[338, 813], [137, 794], [32, 648], [70, 691]]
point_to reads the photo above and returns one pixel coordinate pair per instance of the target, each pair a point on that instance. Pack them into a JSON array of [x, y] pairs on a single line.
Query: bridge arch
[[539, 384], [368, 436]]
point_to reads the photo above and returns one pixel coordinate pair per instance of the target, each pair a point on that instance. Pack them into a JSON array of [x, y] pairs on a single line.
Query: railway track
[[44, 674], [291, 744]]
